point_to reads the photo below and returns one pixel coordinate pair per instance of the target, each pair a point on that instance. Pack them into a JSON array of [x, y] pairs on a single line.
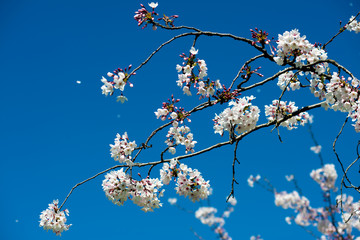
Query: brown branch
[[342, 29], [243, 66], [233, 172]]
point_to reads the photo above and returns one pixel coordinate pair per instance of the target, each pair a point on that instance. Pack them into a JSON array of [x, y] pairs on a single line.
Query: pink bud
[[154, 27], [110, 74]]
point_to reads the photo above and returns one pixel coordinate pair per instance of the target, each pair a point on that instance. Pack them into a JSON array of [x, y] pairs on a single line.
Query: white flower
[[193, 51], [153, 5], [325, 176], [54, 219], [242, 117], [122, 149], [316, 149], [278, 111]]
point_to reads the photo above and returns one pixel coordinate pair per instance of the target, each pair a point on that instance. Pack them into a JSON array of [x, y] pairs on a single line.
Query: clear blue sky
[[56, 133]]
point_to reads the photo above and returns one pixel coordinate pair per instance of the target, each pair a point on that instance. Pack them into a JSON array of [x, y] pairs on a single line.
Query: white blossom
[[54, 219]]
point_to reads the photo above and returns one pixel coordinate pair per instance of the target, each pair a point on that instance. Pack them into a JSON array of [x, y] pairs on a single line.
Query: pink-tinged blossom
[[293, 47], [354, 25], [119, 187], [288, 80], [278, 111], [207, 217], [242, 117], [325, 177], [122, 149], [316, 149], [192, 73], [180, 135], [119, 80], [351, 213], [189, 182], [54, 219]]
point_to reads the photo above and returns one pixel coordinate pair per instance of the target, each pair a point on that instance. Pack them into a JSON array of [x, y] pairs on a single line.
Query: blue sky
[[56, 133]]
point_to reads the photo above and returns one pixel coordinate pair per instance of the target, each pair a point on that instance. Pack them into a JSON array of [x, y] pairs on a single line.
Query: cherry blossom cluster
[[323, 218], [122, 149], [325, 177], [189, 182], [316, 149], [305, 213], [226, 94], [120, 79], [288, 80], [260, 36], [54, 219], [119, 187], [188, 76], [341, 94], [207, 216], [354, 25], [291, 47], [142, 15], [351, 213], [277, 111], [180, 135], [240, 116], [170, 111], [251, 180]]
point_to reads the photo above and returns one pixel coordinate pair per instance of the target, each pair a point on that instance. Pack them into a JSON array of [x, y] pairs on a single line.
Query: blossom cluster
[[260, 36], [325, 177], [120, 79], [188, 76], [242, 116], [207, 217], [142, 15], [189, 182], [316, 149], [54, 219], [277, 112], [119, 187], [351, 213], [305, 213], [354, 25], [170, 111], [251, 180], [323, 218], [291, 47], [180, 135], [343, 95], [288, 80], [122, 149]]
